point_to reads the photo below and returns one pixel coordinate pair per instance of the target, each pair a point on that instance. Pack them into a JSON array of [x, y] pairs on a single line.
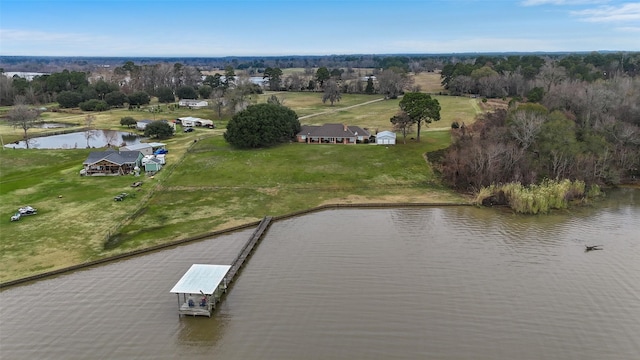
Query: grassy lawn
[[216, 186], [205, 186], [429, 82]]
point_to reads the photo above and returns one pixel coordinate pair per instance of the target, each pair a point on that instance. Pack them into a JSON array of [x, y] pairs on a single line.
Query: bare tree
[[111, 136], [22, 117], [88, 128], [515, 84], [525, 127], [403, 123], [551, 75], [294, 82], [6, 91], [461, 85], [218, 101], [240, 95], [331, 92], [391, 83]]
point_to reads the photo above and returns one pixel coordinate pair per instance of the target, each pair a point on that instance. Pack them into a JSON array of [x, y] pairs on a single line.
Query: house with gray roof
[[332, 134], [111, 163]]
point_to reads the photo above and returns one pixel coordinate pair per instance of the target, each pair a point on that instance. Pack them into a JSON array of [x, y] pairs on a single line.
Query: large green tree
[[369, 89], [214, 81], [158, 129], [229, 77], [262, 125], [420, 107], [116, 98], [186, 92], [102, 88], [165, 95], [275, 77], [322, 75], [69, 99], [139, 98], [205, 91]]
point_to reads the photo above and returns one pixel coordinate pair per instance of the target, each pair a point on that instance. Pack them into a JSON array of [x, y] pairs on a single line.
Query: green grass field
[[205, 186]]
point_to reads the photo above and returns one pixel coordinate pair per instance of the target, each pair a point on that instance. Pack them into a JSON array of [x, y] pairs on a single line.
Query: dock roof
[[201, 277]]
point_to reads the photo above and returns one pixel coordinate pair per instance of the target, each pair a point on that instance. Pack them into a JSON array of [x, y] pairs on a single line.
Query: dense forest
[[571, 116], [577, 118]]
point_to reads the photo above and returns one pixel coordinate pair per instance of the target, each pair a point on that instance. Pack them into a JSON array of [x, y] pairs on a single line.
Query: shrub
[[69, 99], [539, 198], [128, 121], [94, 105]]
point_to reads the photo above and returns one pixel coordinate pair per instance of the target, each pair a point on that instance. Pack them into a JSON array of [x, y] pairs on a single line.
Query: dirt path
[[476, 107], [340, 109]]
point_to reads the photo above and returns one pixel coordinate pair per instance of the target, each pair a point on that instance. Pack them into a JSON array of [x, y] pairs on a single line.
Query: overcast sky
[[306, 27]]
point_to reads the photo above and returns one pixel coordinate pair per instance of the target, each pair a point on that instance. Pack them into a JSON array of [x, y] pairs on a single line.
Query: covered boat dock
[[200, 288]]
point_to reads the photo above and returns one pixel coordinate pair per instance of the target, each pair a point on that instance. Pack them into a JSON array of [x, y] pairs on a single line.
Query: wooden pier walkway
[[244, 254], [213, 279]]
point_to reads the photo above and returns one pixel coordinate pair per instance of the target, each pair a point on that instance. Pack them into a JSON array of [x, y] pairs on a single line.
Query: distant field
[[377, 115], [429, 82]]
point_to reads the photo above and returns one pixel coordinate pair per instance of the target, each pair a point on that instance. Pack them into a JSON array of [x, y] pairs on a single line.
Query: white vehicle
[[27, 210], [15, 217]]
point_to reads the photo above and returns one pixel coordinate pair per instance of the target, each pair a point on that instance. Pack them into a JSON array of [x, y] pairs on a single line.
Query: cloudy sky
[[308, 27]]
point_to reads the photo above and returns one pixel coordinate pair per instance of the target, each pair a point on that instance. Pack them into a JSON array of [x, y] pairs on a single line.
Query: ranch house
[[332, 134], [111, 163]]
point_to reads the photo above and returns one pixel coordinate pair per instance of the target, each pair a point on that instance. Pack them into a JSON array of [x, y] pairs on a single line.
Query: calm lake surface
[[80, 140], [408, 283]]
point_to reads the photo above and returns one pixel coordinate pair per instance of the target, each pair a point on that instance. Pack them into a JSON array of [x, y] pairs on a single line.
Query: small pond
[[80, 140]]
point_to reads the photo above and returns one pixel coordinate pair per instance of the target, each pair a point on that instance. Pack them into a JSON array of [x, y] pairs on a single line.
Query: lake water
[[80, 140], [408, 283]]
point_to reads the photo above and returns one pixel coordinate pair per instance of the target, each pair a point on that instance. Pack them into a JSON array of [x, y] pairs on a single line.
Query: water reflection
[[81, 139], [52, 125], [196, 332]]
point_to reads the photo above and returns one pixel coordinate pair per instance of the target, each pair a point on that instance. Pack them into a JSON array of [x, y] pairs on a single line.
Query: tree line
[[580, 130]]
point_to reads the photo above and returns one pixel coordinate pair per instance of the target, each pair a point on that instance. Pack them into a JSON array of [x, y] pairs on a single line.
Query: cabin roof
[[119, 158], [201, 277]]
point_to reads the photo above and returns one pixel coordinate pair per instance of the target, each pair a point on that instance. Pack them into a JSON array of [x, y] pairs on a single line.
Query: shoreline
[[159, 247]]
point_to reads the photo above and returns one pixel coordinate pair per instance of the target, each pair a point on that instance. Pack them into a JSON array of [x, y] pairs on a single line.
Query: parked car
[[160, 151], [120, 196], [188, 129], [27, 210], [15, 217]]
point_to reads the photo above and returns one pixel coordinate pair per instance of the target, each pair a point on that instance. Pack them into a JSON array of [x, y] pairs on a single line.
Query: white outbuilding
[[144, 148], [386, 138]]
